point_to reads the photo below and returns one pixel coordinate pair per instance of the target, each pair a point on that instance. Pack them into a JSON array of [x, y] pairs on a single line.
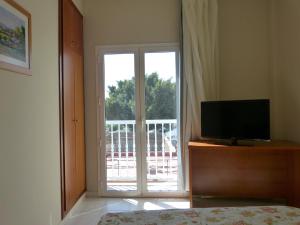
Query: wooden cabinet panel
[[72, 104], [69, 128], [240, 173], [263, 171], [73, 28], [296, 180], [79, 115]]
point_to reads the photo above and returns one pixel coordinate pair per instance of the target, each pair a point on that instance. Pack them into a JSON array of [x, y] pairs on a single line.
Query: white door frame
[[139, 52]]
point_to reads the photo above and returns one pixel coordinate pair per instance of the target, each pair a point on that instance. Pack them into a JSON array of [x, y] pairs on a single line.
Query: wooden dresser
[[266, 170]]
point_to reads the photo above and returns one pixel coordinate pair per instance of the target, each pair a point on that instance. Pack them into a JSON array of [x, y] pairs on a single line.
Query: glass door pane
[[120, 122], [161, 122]]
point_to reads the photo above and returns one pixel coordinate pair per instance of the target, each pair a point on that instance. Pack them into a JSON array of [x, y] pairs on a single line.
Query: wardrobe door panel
[[79, 114], [69, 128], [73, 27], [68, 32], [73, 150], [77, 32]]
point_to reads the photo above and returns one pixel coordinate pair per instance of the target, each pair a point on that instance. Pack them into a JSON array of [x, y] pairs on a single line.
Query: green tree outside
[[160, 99]]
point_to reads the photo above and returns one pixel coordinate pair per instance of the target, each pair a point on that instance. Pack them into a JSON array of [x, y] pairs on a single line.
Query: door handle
[[73, 44]]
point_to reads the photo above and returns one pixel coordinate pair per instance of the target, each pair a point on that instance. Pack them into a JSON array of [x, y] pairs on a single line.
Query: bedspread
[[275, 215]]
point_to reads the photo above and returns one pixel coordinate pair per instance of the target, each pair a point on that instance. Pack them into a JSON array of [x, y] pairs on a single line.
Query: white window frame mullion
[[139, 124], [143, 121]]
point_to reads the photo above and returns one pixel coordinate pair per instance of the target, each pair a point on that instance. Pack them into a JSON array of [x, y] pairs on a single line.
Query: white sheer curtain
[[200, 65]]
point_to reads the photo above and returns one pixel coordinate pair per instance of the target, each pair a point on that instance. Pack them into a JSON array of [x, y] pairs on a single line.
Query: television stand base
[[236, 142], [231, 142]]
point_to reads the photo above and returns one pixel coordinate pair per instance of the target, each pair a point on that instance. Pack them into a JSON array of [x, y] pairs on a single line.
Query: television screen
[[241, 119]]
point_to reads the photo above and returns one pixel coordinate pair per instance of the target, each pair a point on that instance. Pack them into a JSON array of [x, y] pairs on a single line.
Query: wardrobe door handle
[[73, 44]]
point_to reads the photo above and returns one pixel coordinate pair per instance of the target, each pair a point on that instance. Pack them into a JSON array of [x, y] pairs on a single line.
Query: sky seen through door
[[121, 66]]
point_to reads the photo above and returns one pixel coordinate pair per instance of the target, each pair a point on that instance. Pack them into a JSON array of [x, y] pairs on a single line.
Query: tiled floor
[[90, 210], [151, 186]]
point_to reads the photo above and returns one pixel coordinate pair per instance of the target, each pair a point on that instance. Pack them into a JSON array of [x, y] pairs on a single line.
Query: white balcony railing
[[161, 150]]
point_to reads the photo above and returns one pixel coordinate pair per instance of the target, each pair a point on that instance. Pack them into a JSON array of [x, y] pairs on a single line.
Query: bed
[[269, 215]]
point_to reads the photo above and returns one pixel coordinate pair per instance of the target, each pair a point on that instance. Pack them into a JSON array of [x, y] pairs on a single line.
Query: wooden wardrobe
[[73, 183]]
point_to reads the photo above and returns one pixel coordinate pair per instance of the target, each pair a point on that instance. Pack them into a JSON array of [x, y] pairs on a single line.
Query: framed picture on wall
[[15, 37]]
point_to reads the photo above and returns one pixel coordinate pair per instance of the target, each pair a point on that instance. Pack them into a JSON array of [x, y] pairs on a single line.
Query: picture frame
[[15, 37]]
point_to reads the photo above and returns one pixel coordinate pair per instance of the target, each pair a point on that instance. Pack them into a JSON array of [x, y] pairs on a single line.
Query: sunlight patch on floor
[[90, 210]]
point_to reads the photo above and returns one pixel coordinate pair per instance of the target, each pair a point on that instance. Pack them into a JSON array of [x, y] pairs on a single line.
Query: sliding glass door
[[139, 134], [120, 122], [161, 121]]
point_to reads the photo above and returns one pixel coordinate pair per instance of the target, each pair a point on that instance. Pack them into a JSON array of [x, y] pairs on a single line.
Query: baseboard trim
[[91, 194]]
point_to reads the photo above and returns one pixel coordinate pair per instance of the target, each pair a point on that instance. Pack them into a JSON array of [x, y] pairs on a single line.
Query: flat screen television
[[236, 120]]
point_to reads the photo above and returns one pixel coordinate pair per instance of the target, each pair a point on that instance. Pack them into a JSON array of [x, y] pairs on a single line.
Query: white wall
[[247, 65], [286, 69], [259, 58], [29, 128], [244, 49], [79, 4], [114, 22]]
